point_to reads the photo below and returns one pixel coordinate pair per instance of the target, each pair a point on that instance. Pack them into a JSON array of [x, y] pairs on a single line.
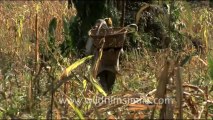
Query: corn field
[[44, 73]]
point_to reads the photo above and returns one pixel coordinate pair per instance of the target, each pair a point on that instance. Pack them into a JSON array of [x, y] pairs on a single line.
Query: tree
[[88, 11]]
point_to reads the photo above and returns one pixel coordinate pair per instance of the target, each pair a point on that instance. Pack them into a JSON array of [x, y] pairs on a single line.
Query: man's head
[[103, 23]]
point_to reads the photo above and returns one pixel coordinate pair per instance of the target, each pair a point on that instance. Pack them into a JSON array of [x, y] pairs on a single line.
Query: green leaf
[[186, 59], [75, 65], [66, 26], [84, 84], [98, 87], [52, 25], [67, 36], [52, 29], [79, 113], [210, 66], [68, 46]]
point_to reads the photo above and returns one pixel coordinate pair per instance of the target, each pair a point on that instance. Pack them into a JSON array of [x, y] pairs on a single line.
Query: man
[[100, 24]]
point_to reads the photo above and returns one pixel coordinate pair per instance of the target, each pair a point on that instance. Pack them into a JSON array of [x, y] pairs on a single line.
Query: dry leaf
[[111, 117]]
